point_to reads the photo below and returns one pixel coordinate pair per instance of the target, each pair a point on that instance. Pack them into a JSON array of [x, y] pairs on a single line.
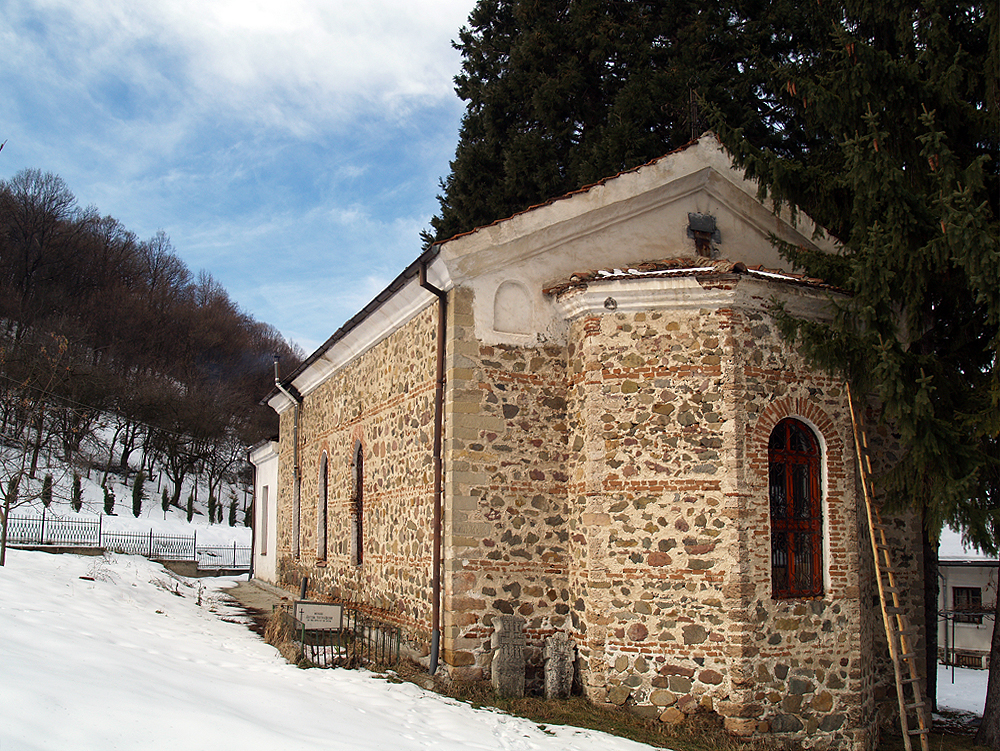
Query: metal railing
[[361, 640], [161, 547], [90, 533], [39, 530], [223, 556]]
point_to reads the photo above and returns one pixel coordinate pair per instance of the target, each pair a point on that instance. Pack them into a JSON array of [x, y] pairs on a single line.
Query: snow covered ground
[[966, 693], [116, 653]]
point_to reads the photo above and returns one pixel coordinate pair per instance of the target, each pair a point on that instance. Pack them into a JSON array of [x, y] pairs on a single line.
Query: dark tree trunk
[[39, 426], [931, 588], [175, 497], [111, 454], [989, 730]]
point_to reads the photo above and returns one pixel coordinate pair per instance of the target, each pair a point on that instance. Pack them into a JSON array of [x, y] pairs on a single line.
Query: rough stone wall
[[808, 668], [652, 523], [385, 400], [283, 494], [670, 415], [506, 535], [903, 533], [816, 669], [615, 488]]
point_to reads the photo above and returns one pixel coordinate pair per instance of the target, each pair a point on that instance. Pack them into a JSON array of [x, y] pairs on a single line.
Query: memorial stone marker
[[559, 655], [319, 616], [508, 655]]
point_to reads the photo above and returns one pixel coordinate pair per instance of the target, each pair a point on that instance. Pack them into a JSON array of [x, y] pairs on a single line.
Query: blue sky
[[292, 150]]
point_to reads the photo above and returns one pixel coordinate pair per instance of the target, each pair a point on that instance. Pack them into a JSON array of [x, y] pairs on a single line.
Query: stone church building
[[584, 415]]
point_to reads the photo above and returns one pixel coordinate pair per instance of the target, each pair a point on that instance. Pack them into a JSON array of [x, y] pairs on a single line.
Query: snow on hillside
[[151, 516], [117, 653]]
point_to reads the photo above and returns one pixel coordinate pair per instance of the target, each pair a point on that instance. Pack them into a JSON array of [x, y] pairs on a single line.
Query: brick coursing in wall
[[506, 538], [614, 487], [605, 459], [384, 399]]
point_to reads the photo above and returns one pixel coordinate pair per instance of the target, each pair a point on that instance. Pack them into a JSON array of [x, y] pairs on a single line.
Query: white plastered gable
[[640, 215]]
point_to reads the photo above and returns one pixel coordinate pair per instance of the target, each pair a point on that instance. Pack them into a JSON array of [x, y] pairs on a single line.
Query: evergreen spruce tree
[[190, 506], [211, 508], [562, 94], [109, 501], [76, 499], [232, 512], [900, 106], [138, 493], [164, 502], [47, 491]]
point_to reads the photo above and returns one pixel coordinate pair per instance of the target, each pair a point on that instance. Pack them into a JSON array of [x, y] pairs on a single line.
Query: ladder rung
[[918, 731], [908, 656], [915, 705], [909, 680]]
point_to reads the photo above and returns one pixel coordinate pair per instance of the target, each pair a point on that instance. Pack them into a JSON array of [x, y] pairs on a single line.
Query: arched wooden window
[[358, 506], [321, 508], [793, 458]]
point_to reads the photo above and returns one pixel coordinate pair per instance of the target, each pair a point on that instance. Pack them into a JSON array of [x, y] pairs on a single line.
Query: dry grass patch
[[701, 732], [278, 632]]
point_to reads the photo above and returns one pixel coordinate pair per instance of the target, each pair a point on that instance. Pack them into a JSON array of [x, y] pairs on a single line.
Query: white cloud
[[291, 149], [290, 66]]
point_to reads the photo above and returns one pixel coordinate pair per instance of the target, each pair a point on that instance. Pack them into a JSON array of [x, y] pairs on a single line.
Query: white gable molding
[[391, 309], [701, 175], [591, 227]]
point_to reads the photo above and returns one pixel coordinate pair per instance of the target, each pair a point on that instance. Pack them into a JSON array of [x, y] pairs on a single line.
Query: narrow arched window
[[793, 459], [358, 506], [321, 508]]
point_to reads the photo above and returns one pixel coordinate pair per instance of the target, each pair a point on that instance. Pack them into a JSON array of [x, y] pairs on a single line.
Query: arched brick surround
[[803, 409]]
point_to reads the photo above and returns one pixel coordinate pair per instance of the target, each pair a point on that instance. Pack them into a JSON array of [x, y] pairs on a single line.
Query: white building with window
[[264, 457], [967, 603]]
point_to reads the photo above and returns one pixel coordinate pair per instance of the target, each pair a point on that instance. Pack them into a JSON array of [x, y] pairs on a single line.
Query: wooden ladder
[[913, 712]]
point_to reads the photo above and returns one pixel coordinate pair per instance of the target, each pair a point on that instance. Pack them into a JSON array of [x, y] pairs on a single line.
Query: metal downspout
[[253, 520], [296, 474], [438, 471]]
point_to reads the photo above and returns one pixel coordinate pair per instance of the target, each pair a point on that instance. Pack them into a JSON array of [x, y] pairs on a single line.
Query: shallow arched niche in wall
[[512, 309]]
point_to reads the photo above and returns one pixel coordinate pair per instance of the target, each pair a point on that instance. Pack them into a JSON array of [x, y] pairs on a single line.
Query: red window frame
[[793, 459], [358, 506], [322, 508]]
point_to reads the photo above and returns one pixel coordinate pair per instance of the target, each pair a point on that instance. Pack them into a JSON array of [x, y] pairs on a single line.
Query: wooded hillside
[[103, 333]]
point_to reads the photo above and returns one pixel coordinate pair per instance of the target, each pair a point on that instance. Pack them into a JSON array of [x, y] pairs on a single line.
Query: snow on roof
[[950, 548], [683, 266]]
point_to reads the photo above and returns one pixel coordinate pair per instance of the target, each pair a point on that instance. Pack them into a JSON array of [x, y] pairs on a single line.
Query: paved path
[[258, 599]]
